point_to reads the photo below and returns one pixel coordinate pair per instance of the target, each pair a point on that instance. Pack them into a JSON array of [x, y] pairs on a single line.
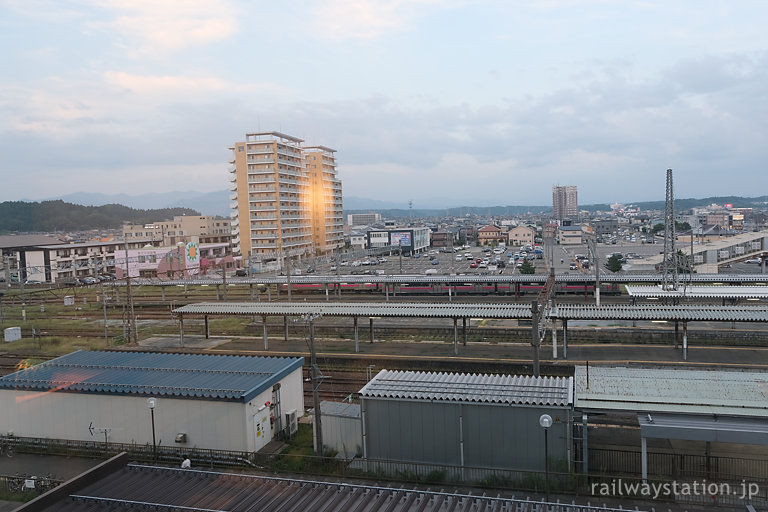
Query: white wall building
[[203, 401]]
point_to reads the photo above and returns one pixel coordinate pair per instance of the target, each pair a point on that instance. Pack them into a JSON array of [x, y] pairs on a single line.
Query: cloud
[[153, 28], [367, 19]]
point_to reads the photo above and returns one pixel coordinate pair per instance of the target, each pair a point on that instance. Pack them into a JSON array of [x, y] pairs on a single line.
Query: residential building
[[442, 238], [327, 212], [363, 219], [565, 202], [183, 228], [521, 235], [286, 198]]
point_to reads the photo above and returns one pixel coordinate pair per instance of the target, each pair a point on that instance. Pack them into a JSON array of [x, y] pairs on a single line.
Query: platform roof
[[619, 277], [684, 313], [472, 388], [704, 428], [708, 292], [196, 376], [379, 309], [684, 391]]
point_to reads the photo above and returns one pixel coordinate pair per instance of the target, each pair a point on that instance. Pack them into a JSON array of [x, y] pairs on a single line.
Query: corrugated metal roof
[[727, 292], [728, 393], [137, 487], [461, 387], [380, 309], [690, 313], [202, 376]]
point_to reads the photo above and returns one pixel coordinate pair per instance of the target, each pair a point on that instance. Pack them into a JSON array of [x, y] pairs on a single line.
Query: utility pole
[[592, 243], [132, 335], [535, 338], [316, 379], [670, 263]]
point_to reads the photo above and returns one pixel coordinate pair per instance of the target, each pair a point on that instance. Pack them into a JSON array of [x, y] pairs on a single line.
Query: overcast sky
[[445, 102]]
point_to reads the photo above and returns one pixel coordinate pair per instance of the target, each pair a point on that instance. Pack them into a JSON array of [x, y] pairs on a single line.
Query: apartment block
[[286, 198], [565, 202]]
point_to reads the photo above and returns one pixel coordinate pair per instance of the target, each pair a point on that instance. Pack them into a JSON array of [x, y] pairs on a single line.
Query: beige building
[[185, 228], [286, 198], [521, 235]]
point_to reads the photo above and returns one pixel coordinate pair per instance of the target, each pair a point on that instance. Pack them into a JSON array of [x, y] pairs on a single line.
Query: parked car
[[241, 272], [435, 261], [473, 265], [89, 280], [431, 271]]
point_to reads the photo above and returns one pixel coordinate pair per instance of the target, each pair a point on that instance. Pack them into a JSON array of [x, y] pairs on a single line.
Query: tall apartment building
[[363, 219], [565, 202], [287, 199], [204, 229]]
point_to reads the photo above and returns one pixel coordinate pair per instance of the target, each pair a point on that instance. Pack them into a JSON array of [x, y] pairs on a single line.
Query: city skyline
[[442, 102]]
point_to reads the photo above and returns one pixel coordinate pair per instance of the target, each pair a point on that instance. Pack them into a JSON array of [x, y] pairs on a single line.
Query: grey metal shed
[[483, 421]]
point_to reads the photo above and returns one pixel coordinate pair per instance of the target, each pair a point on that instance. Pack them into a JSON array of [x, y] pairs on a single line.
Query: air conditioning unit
[[291, 422]]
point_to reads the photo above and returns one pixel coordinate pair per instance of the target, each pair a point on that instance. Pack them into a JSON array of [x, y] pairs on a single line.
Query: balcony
[[233, 197], [233, 170], [233, 206], [236, 240], [234, 223], [263, 209]]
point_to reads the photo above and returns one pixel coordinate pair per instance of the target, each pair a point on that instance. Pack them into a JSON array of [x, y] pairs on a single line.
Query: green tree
[[658, 228], [682, 226], [527, 267], [614, 263]]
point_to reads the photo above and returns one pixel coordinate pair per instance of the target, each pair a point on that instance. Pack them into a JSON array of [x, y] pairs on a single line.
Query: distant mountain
[[49, 216], [207, 203]]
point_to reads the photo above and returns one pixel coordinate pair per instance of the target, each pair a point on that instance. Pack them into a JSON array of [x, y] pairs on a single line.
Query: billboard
[[400, 238]]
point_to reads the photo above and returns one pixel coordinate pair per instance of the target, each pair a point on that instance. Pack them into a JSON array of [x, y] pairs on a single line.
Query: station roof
[[461, 387], [196, 376], [683, 391], [724, 292]]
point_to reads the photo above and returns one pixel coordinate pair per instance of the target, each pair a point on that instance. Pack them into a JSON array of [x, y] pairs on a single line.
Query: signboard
[[401, 238], [192, 255], [729, 205]]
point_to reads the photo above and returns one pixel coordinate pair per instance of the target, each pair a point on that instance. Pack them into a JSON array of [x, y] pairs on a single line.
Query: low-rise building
[[569, 235], [183, 228], [491, 235], [521, 235]]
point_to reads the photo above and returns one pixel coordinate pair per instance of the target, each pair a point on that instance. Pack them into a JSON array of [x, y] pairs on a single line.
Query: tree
[[658, 228], [527, 268], [682, 226], [613, 264]]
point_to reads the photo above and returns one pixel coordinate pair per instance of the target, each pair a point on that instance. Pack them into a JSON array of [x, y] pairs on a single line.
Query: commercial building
[[182, 260], [409, 240], [204, 401], [183, 228], [481, 421], [62, 262], [565, 202], [286, 198], [569, 235], [363, 219]]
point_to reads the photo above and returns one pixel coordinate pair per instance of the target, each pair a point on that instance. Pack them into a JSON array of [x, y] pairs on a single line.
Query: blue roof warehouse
[[205, 401]]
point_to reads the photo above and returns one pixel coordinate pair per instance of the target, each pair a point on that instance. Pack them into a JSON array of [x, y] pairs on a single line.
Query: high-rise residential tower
[[287, 199], [565, 202]]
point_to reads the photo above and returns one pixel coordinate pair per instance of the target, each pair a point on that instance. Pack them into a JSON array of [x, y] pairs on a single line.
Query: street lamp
[[545, 420], [151, 403]]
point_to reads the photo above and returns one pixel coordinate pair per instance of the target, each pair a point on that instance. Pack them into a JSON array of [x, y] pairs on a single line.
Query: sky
[[442, 102]]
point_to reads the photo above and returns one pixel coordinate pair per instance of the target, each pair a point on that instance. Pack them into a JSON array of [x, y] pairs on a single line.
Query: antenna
[[670, 262]]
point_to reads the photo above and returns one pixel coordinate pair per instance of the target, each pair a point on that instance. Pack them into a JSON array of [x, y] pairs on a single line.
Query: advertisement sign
[[729, 205], [400, 239], [192, 255]]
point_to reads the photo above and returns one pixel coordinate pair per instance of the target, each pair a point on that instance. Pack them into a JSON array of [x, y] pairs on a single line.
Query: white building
[[207, 401]]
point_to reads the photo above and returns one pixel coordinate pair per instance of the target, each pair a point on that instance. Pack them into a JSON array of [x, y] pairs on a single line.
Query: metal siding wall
[[68, 415], [343, 434], [511, 437], [413, 431]]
